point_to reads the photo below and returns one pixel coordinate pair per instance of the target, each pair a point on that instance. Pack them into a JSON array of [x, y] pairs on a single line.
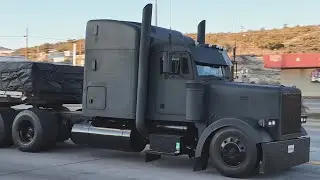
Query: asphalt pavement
[[72, 162]]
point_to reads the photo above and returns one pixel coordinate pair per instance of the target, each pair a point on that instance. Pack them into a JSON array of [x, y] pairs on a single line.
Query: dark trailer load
[[146, 85], [41, 83]]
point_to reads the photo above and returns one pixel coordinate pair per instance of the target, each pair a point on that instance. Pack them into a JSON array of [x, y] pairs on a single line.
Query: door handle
[[94, 65]]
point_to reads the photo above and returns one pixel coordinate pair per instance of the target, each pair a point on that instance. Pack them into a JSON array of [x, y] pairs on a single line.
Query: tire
[[45, 129], [233, 138], [6, 119], [64, 132]]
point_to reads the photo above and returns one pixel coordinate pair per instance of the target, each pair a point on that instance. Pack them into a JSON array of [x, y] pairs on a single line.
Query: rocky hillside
[[254, 42], [255, 70], [250, 46], [286, 40]]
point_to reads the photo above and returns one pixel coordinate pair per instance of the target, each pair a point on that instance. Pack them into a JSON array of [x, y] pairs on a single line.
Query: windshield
[[216, 71]]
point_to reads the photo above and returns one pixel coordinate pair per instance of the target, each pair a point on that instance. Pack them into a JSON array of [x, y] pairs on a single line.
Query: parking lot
[[69, 161]]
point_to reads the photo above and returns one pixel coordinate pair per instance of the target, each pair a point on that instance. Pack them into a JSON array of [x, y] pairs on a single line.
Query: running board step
[[162, 153], [152, 155]]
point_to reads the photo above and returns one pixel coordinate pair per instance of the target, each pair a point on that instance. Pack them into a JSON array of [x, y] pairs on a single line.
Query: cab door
[[171, 89]]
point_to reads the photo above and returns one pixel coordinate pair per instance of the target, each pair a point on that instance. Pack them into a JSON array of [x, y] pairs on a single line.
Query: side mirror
[[167, 62]]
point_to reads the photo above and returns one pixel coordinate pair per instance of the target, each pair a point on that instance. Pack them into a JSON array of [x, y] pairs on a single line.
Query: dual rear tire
[[34, 130], [6, 119]]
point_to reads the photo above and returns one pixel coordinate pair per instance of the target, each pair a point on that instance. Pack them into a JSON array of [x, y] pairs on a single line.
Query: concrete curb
[[314, 163], [310, 97]]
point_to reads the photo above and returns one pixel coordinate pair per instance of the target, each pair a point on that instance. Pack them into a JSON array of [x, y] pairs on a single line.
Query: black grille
[[290, 113]]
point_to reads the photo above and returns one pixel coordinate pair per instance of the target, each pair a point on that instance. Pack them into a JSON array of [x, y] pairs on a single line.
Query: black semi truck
[[149, 88]]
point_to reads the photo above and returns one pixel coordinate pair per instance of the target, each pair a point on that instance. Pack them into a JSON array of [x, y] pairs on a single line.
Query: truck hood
[[241, 100]]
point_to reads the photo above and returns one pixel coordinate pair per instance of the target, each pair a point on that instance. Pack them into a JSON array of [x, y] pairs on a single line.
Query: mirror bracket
[[167, 63]]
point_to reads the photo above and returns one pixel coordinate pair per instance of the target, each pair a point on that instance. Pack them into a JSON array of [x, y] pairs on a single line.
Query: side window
[[180, 64], [184, 65]]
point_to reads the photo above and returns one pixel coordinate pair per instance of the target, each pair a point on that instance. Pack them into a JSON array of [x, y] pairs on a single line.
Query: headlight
[[271, 123], [303, 119], [267, 123]]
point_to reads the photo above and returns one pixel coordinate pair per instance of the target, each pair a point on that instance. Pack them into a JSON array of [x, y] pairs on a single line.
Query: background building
[[301, 70], [5, 51]]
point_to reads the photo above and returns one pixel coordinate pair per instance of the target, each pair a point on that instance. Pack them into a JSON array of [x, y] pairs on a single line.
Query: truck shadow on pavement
[[178, 164]]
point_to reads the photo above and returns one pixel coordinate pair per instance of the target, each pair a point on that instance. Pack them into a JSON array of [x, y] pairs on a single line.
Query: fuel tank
[[107, 138]]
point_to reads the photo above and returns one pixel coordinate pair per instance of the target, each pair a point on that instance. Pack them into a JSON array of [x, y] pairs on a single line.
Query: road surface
[[72, 162]]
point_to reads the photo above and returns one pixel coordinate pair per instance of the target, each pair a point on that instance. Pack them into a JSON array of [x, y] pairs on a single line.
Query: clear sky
[[51, 21]]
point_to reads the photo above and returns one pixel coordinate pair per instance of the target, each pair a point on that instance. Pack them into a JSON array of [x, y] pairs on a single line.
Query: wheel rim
[[26, 132], [232, 151]]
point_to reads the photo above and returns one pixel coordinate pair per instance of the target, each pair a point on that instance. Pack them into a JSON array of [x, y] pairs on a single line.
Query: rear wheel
[[6, 118], [34, 130], [234, 153], [64, 132]]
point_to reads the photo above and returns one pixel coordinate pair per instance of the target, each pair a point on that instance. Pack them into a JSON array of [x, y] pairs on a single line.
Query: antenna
[[156, 13], [170, 37], [170, 14], [27, 39]]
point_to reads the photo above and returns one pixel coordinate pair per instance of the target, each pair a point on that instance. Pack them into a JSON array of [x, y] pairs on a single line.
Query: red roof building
[[299, 69], [290, 61]]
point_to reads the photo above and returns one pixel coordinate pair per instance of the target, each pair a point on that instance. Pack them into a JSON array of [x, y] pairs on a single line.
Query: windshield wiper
[[220, 78], [210, 76]]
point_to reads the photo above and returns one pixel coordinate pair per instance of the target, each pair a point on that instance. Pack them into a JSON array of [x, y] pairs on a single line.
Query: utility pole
[[26, 36], [74, 55], [80, 48], [38, 51]]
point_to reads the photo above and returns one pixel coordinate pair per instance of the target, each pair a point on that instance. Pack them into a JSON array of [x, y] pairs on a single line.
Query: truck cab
[[156, 86], [172, 66]]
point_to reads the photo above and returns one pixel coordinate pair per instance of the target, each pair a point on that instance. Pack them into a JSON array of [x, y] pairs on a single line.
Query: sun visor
[[209, 56]]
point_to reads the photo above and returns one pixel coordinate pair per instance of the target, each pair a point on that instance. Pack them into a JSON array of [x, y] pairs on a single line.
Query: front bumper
[[281, 155]]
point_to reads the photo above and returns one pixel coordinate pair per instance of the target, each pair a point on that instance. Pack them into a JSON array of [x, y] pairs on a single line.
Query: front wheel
[[234, 153]]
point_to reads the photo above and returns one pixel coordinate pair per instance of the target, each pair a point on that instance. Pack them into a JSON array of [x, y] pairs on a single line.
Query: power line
[[49, 38], [40, 37], [11, 36]]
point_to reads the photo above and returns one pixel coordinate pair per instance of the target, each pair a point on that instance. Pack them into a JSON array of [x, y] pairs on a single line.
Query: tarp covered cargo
[[43, 79]]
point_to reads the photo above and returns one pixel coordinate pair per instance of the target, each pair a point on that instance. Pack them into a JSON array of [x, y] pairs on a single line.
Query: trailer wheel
[[6, 119], [34, 130], [233, 153]]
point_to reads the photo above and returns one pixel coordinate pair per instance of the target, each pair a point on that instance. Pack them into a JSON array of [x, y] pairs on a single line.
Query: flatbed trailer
[[147, 85]]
